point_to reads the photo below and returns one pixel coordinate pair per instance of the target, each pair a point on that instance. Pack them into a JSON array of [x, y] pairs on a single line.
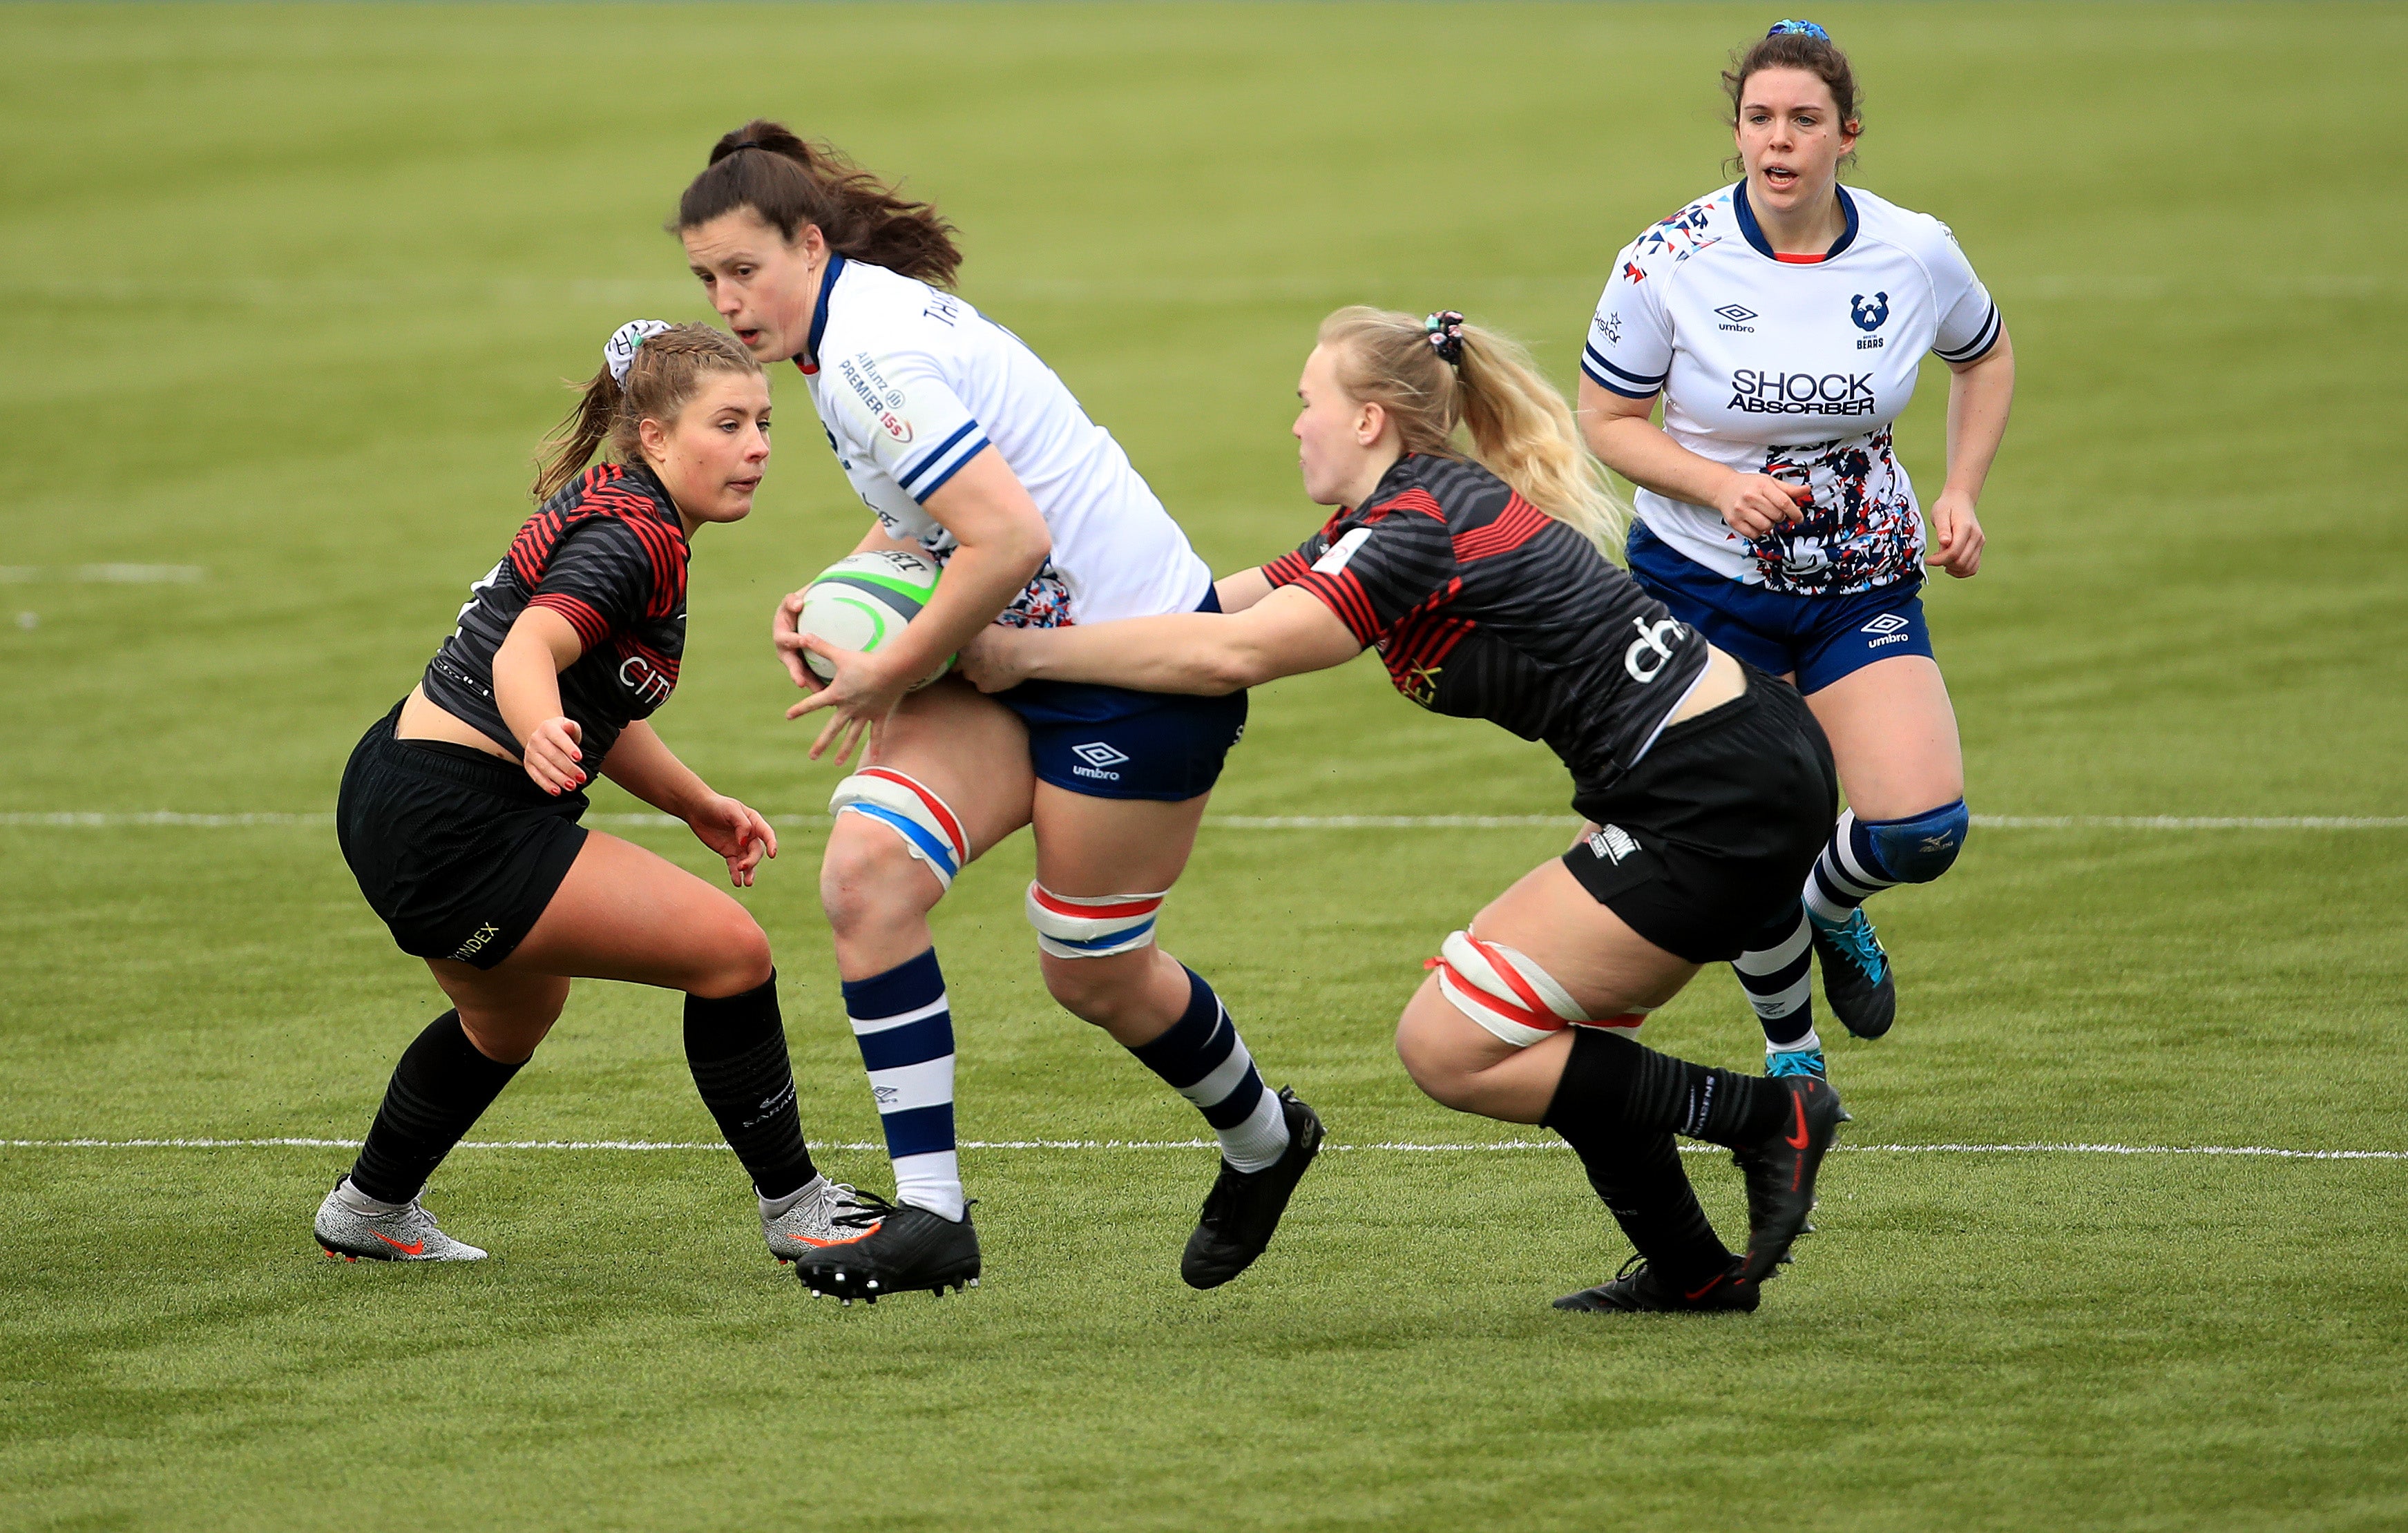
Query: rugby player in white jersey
[[973, 451], [1783, 320]]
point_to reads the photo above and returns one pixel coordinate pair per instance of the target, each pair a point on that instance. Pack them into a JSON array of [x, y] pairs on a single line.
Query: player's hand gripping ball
[[863, 600]]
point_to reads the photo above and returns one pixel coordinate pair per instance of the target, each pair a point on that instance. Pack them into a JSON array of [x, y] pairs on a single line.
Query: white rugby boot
[[408, 1234], [812, 1221]]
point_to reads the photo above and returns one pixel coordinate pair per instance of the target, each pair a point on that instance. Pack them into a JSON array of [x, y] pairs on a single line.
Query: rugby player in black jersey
[[459, 807], [1707, 786]]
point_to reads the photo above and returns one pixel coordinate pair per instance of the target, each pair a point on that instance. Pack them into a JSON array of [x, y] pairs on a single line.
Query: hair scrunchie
[[1445, 329], [1802, 29], [620, 354]]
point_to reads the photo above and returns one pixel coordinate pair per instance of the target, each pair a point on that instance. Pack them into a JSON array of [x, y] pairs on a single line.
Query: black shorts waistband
[[452, 762]]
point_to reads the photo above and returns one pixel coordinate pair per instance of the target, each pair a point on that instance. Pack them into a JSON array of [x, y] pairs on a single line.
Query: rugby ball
[[863, 600]]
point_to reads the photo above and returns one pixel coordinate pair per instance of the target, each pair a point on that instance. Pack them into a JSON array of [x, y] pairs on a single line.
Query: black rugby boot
[[1780, 1171], [906, 1248], [1243, 1208], [1638, 1288], [1857, 978]]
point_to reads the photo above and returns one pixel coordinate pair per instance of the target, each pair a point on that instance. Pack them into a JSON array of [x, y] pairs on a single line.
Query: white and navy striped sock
[[1847, 874], [1204, 1060], [905, 1028], [1777, 973]]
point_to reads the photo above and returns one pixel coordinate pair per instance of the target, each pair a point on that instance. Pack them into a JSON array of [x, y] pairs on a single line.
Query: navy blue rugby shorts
[[1110, 742], [1818, 639]]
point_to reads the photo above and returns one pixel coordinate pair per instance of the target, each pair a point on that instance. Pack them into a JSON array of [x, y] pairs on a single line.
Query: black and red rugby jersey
[[608, 553], [1484, 607]]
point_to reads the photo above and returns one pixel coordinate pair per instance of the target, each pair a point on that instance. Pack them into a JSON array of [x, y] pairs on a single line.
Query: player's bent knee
[[1919, 849], [869, 882], [1076, 926], [929, 831], [735, 958], [1506, 992]]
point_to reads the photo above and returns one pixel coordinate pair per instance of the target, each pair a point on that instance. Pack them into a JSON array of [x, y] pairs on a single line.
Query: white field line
[[2245, 1151], [92, 820]]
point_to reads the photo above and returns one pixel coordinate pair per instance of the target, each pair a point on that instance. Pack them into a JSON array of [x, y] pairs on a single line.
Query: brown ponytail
[[1521, 429], [665, 375], [764, 166]]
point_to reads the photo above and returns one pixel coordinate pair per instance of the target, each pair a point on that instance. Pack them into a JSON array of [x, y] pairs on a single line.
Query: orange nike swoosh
[[1797, 1103], [420, 1249], [1700, 1292], [847, 1241]]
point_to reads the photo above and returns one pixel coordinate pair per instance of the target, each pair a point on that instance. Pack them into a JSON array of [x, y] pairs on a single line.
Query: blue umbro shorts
[[1819, 639], [1110, 742]]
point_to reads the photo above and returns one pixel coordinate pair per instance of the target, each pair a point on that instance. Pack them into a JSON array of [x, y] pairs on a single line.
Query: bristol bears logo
[[1868, 316]]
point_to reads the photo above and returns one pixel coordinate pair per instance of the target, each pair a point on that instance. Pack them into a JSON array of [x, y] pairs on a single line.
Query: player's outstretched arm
[[526, 689], [1235, 593], [642, 763], [1287, 632]]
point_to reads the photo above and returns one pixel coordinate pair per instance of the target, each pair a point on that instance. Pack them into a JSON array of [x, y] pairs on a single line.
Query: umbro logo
[[1736, 314], [1888, 623], [1096, 753]]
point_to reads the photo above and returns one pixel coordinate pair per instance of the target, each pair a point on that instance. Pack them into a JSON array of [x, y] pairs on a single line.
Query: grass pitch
[[289, 290]]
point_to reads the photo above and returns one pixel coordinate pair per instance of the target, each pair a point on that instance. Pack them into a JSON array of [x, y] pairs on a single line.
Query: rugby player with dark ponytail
[[1707, 786], [459, 809]]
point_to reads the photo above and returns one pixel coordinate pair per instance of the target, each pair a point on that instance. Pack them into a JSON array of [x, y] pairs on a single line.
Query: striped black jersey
[[608, 553], [1484, 607]]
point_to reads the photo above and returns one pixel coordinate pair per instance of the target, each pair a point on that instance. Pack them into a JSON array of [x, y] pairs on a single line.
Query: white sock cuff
[[1261, 1139], [932, 1181]]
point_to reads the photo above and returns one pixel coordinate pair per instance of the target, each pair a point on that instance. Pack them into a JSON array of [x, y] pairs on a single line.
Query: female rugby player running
[[459, 809], [970, 451], [1706, 784], [1783, 320]]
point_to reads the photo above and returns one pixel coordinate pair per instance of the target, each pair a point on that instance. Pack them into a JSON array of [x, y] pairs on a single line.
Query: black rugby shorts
[[1709, 838], [459, 852]]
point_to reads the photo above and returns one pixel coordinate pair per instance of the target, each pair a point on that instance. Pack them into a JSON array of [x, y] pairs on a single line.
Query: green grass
[[288, 295]]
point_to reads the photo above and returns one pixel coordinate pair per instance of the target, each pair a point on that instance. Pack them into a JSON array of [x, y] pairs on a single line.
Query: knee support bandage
[[931, 832], [1919, 850], [1501, 989], [1071, 926]]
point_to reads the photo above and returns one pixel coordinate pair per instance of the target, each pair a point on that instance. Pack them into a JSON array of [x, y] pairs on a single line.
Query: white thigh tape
[[1068, 926], [1504, 991], [930, 830]]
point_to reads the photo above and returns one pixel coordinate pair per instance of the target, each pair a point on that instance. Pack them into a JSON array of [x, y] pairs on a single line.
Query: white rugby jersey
[[911, 383], [1791, 366]]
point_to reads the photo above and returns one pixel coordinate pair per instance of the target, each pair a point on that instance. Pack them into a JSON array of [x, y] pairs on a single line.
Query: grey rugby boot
[[408, 1234], [814, 1221]]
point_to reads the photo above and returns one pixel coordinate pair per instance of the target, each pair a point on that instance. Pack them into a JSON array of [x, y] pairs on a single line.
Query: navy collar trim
[[810, 360], [1754, 232]]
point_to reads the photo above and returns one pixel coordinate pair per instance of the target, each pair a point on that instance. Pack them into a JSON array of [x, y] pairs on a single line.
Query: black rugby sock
[[1640, 1176], [439, 1091], [1616, 1084], [736, 1048]]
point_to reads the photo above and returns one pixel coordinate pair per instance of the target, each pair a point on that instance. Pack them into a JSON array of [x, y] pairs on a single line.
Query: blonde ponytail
[[1521, 429]]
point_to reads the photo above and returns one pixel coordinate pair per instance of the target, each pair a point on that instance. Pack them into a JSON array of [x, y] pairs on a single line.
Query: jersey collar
[[1754, 232], [810, 359]]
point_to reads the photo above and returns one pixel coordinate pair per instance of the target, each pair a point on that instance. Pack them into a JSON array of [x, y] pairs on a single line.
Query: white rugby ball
[[863, 600]]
